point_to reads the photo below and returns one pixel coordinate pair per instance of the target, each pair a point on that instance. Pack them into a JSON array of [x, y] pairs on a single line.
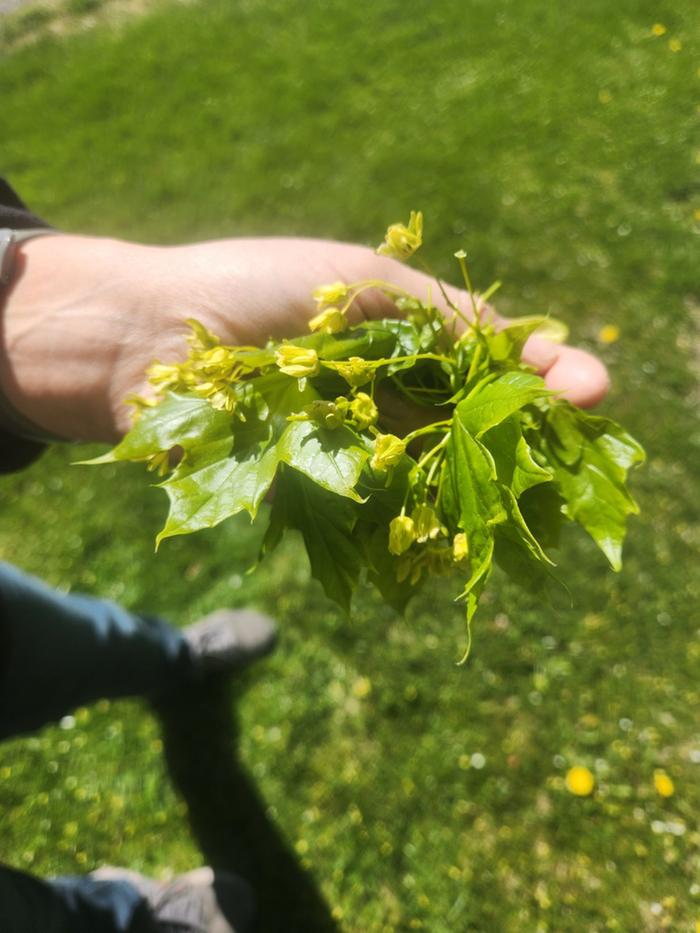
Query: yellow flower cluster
[[432, 557], [423, 528], [324, 413], [211, 371], [361, 412]]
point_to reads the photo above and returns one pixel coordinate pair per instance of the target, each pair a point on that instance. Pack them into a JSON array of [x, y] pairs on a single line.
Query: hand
[[87, 315]]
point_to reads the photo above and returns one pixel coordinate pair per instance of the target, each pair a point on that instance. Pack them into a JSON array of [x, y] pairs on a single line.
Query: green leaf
[[385, 501], [471, 497], [473, 595], [218, 479], [326, 522], [282, 396], [331, 458], [178, 421], [491, 401], [518, 529], [541, 508], [590, 457], [512, 455], [518, 562], [507, 345], [372, 341]]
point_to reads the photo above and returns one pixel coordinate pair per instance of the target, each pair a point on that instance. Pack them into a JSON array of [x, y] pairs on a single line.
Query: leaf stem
[[428, 429], [424, 459]]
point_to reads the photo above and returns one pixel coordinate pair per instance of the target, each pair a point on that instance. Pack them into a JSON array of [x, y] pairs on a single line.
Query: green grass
[[555, 142]]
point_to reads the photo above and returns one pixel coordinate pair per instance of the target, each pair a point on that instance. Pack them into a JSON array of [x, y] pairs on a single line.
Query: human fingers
[[579, 376]]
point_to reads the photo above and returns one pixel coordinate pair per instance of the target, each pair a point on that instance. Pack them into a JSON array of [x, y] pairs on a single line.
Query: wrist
[[63, 326]]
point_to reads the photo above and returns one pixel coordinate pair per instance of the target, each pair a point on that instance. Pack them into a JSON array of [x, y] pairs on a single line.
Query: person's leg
[[71, 905], [62, 651]]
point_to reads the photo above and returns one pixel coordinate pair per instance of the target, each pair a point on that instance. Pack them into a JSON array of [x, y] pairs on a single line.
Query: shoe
[[201, 901], [229, 640]]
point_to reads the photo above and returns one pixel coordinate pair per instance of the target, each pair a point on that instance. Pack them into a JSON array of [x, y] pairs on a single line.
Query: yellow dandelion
[[663, 784], [675, 45], [580, 781], [604, 96], [362, 688], [696, 215], [610, 333], [658, 29]]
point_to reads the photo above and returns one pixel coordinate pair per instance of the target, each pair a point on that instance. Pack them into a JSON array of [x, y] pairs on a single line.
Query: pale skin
[[85, 316]]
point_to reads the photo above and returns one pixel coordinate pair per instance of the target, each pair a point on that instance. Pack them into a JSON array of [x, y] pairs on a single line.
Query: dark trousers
[[59, 652]]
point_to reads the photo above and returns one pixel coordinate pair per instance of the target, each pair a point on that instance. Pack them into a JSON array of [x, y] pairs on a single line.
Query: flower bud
[[402, 241], [330, 294], [326, 414], [388, 450], [427, 523], [330, 321], [296, 361], [355, 371], [460, 547], [363, 410], [401, 534]]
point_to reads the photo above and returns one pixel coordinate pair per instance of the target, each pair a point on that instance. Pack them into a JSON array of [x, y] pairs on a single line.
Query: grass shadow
[[227, 813]]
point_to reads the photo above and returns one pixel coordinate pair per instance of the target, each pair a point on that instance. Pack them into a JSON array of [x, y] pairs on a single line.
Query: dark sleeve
[[14, 213], [17, 452]]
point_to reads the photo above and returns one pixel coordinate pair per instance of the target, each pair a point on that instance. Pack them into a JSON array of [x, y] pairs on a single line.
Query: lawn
[[359, 776]]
